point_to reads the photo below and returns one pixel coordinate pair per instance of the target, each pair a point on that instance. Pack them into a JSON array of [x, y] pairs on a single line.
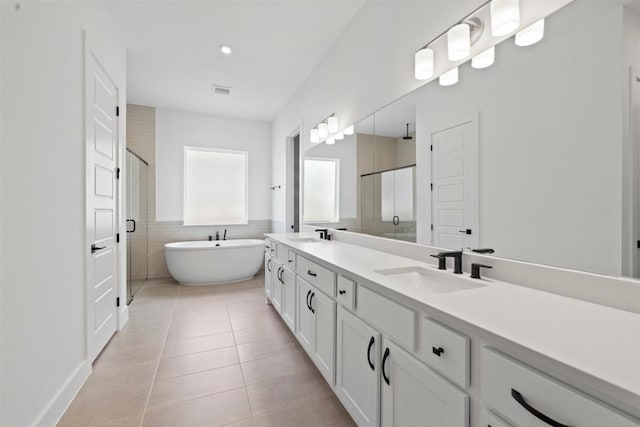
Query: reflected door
[[137, 227]]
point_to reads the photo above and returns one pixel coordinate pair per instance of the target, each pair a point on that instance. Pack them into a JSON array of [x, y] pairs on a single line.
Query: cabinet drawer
[[319, 276], [488, 419], [291, 260], [397, 321], [446, 351], [346, 292], [267, 246], [517, 391], [282, 253]]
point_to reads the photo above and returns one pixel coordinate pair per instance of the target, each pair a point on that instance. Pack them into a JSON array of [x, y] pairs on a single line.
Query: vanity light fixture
[[449, 78], [314, 136], [424, 64], [330, 141], [484, 59], [332, 124], [349, 130], [459, 42], [323, 130], [339, 136], [531, 35], [505, 17]]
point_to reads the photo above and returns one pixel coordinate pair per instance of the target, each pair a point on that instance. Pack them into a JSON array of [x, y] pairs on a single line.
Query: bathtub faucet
[[225, 235], [217, 235]]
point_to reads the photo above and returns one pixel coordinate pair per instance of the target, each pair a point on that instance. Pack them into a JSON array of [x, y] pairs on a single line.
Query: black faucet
[[457, 260], [442, 261], [324, 233], [217, 235], [225, 234], [475, 270], [482, 250]]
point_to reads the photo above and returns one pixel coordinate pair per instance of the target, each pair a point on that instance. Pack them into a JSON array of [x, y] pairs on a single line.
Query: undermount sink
[[432, 280], [304, 239]]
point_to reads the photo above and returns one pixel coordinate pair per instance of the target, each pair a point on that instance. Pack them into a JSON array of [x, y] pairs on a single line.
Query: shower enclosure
[[137, 227]]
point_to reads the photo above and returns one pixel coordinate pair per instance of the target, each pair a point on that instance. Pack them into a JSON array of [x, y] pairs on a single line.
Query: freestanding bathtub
[[214, 262]]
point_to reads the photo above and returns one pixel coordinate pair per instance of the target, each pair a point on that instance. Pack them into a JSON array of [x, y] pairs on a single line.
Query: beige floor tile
[[322, 412], [217, 314], [127, 421], [243, 310], [256, 320], [275, 366], [193, 330], [190, 363], [264, 348], [268, 331], [198, 344], [287, 391], [210, 411], [196, 385]]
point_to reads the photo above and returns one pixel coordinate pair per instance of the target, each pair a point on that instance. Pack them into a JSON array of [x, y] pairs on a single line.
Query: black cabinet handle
[[269, 265], [308, 293], [437, 351], [313, 294], [342, 292], [371, 342], [311, 273], [384, 371], [533, 411]]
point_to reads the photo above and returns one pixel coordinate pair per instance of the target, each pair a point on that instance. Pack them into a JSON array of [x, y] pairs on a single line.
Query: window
[[215, 186], [321, 189]]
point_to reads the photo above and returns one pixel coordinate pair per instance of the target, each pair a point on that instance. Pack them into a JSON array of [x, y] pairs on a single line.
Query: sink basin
[[431, 280], [304, 239]]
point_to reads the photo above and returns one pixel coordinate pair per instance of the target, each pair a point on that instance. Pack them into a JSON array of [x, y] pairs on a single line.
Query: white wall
[[43, 244], [176, 129]]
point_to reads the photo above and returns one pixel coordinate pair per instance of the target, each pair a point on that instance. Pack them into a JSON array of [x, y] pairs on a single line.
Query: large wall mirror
[[525, 157]]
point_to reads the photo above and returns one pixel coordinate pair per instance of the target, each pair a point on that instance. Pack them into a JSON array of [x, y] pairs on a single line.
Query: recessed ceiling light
[[225, 49]]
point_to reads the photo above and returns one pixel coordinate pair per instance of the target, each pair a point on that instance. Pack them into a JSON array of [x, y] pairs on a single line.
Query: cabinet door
[[324, 349], [414, 395], [304, 316], [268, 275], [289, 297], [276, 284], [358, 366]]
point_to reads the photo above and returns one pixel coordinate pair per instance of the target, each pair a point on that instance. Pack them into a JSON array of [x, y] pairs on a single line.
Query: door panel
[[325, 338], [289, 298], [276, 285], [268, 275], [304, 316]]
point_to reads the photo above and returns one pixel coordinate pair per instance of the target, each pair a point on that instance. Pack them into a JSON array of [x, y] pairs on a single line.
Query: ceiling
[[174, 58]]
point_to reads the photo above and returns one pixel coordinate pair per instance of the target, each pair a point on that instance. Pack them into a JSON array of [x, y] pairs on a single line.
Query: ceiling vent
[[221, 90]]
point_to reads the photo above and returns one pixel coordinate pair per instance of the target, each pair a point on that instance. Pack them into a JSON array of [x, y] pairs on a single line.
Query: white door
[[101, 189], [358, 379], [268, 275], [454, 191], [276, 284], [289, 298], [304, 316], [324, 311], [414, 395]]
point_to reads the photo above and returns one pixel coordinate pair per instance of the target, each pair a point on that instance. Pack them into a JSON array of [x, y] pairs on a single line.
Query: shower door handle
[[396, 220], [134, 226]]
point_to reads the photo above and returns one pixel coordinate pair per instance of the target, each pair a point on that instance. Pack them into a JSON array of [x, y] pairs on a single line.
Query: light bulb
[[314, 137], [484, 59], [505, 17], [323, 130], [339, 136], [459, 42], [330, 141], [531, 35], [424, 64], [449, 78], [349, 130], [332, 123]]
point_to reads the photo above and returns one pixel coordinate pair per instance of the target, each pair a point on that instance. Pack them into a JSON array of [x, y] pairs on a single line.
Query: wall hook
[[274, 187]]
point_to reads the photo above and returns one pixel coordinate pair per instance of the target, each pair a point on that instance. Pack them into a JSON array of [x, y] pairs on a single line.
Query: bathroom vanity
[[402, 343]]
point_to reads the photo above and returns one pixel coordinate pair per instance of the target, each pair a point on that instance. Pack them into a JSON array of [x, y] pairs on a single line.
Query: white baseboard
[[123, 317], [50, 416]]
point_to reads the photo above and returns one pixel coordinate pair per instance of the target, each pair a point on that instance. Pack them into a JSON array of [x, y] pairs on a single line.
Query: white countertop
[[601, 343]]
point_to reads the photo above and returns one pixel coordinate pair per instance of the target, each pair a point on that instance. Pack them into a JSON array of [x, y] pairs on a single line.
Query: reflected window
[[215, 186], [321, 181]]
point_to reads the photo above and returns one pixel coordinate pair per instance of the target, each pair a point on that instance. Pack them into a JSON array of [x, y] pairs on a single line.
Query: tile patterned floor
[[204, 356]]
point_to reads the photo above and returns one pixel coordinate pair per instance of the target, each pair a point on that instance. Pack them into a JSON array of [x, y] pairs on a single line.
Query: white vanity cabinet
[[414, 395], [304, 316], [287, 280], [268, 274], [276, 284], [358, 368]]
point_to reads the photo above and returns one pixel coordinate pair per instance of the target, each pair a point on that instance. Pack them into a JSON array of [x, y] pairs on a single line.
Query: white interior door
[[101, 162], [454, 191]]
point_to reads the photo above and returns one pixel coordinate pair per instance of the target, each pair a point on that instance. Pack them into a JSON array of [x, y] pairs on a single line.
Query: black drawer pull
[[342, 292], [371, 341], [437, 351], [313, 294], [311, 273], [308, 306], [384, 371], [533, 411]]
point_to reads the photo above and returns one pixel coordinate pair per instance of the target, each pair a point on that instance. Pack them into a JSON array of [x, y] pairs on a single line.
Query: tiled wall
[[141, 138]]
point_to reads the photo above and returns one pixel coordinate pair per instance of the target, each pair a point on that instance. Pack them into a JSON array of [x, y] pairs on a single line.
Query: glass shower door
[[137, 227]]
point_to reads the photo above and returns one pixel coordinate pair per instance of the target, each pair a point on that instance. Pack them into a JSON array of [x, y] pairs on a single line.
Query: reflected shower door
[[137, 226]]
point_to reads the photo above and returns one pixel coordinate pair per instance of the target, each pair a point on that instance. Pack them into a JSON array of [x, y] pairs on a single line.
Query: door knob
[[95, 248]]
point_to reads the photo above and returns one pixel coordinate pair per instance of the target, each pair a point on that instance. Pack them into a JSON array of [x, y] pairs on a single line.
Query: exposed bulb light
[[225, 49], [339, 136], [531, 35], [332, 123], [330, 141], [459, 42], [424, 64], [505, 17], [484, 59], [349, 130], [449, 78], [323, 130], [314, 137]]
